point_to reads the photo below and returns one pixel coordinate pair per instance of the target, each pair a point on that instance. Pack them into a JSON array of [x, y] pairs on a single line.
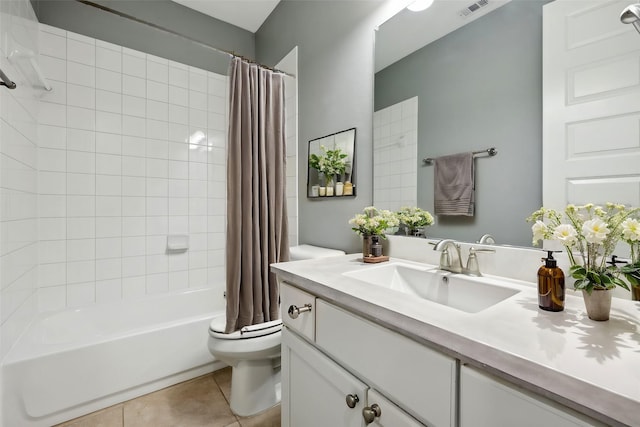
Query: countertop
[[592, 367]]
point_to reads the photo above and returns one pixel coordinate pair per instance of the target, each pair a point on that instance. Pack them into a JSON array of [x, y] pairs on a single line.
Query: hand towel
[[454, 185]]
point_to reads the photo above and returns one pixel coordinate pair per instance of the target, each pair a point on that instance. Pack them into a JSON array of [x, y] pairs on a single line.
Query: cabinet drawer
[[483, 399], [416, 378], [301, 320]]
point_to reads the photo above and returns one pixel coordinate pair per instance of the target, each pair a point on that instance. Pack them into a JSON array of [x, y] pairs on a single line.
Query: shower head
[[631, 15]]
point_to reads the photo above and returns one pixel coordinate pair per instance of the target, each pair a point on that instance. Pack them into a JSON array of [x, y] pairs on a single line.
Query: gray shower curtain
[[257, 233]]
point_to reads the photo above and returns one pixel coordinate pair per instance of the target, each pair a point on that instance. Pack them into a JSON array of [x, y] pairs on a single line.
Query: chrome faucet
[[487, 239], [473, 268], [445, 257]]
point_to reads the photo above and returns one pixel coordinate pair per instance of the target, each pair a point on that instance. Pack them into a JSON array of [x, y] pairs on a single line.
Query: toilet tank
[[300, 252]]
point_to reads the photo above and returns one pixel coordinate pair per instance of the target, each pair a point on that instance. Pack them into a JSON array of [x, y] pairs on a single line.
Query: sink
[[465, 293]]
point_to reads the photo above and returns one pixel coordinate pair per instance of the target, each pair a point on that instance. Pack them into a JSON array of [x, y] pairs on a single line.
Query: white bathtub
[[73, 362]]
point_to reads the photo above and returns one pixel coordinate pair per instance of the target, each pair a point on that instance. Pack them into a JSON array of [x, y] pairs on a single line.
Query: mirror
[[331, 166], [477, 87]]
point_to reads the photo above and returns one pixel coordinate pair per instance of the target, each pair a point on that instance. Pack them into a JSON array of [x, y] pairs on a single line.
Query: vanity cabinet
[[387, 378], [487, 401]]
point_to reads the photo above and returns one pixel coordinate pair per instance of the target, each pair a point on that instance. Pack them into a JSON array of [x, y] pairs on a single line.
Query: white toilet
[[254, 352]]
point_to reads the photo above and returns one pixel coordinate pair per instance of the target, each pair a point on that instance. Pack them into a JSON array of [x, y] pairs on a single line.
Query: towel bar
[[490, 151]]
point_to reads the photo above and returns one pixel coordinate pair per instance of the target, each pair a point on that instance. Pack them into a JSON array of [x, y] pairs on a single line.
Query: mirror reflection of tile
[[395, 150]]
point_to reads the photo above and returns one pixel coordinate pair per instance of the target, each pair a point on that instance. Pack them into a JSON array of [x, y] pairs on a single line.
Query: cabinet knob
[[295, 311], [352, 400], [370, 413]]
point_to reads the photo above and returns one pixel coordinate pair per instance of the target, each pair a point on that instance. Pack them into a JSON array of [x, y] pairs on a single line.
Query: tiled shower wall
[[395, 155], [18, 175], [132, 150]]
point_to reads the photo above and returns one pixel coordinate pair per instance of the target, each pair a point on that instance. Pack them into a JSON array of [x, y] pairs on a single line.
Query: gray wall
[[480, 87], [335, 81], [90, 21]]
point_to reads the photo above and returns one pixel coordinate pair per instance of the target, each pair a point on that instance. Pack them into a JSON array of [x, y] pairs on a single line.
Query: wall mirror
[[331, 166], [473, 83]]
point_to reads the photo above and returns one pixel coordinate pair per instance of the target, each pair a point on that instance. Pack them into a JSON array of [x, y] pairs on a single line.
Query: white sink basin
[[465, 293]]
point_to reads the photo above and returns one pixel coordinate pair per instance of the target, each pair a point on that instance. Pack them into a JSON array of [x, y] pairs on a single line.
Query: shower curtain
[[257, 233]]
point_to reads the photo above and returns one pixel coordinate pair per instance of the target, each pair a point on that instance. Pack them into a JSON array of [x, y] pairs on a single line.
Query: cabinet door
[[390, 414], [315, 389], [488, 402], [418, 379]]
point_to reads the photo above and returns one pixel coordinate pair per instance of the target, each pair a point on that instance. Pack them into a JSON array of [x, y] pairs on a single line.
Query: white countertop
[[593, 367]]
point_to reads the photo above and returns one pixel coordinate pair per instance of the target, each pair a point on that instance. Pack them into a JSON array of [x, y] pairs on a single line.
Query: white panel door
[[315, 389], [591, 106]]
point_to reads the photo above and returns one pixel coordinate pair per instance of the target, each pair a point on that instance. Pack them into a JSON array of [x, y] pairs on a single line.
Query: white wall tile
[[133, 146], [133, 65], [52, 136], [108, 143], [134, 106], [108, 101], [81, 96], [133, 206], [81, 162], [81, 140], [108, 268], [133, 246], [157, 91], [81, 74], [110, 181], [108, 122], [109, 59], [108, 80], [178, 76], [81, 228], [80, 294], [81, 206], [133, 287], [134, 266], [134, 86], [108, 290], [81, 184], [158, 72], [80, 250], [81, 118]]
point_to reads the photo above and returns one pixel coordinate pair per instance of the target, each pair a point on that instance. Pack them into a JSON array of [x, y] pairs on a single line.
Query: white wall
[[132, 149], [18, 175], [395, 155], [289, 64]]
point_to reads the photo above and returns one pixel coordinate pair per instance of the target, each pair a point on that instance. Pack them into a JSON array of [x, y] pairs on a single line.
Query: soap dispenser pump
[[550, 285]]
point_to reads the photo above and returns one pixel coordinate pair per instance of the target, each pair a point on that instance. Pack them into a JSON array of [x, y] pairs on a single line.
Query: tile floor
[[200, 402]]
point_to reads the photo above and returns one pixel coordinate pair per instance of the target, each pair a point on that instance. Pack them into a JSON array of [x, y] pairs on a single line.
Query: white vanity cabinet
[[390, 380], [488, 401]]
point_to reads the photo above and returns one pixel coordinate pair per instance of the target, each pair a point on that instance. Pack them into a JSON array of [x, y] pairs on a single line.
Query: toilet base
[[255, 386]]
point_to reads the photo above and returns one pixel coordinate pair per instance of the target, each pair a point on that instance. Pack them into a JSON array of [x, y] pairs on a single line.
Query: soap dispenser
[[550, 285]]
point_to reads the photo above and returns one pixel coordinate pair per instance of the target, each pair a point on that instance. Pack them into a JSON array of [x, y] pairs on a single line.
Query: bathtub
[[76, 361]]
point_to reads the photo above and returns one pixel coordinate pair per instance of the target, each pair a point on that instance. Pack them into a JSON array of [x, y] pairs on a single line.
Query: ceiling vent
[[473, 8]]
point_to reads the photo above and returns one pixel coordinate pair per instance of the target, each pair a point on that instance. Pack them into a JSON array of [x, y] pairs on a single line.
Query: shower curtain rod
[[174, 33]]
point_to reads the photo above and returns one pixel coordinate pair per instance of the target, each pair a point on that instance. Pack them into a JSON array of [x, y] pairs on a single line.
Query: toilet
[[253, 352]]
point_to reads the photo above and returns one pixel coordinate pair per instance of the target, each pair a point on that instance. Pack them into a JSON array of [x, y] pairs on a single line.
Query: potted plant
[[631, 271], [413, 219], [372, 222], [329, 163], [589, 235]]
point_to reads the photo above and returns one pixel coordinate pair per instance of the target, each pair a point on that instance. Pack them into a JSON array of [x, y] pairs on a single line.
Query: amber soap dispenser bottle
[[550, 285]]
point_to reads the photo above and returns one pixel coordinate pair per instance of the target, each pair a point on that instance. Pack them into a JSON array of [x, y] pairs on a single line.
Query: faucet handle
[[473, 268], [445, 259]]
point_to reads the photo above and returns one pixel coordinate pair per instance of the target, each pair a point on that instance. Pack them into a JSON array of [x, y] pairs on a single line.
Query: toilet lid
[[216, 329]]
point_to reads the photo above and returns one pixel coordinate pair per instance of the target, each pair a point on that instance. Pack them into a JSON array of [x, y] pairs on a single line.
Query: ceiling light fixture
[[419, 5]]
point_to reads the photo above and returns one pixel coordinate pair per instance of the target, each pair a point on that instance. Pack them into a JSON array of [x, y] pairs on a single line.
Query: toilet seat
[[217, 326]]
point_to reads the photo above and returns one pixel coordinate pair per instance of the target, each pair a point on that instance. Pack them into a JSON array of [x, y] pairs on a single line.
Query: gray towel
[[454, 186]]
